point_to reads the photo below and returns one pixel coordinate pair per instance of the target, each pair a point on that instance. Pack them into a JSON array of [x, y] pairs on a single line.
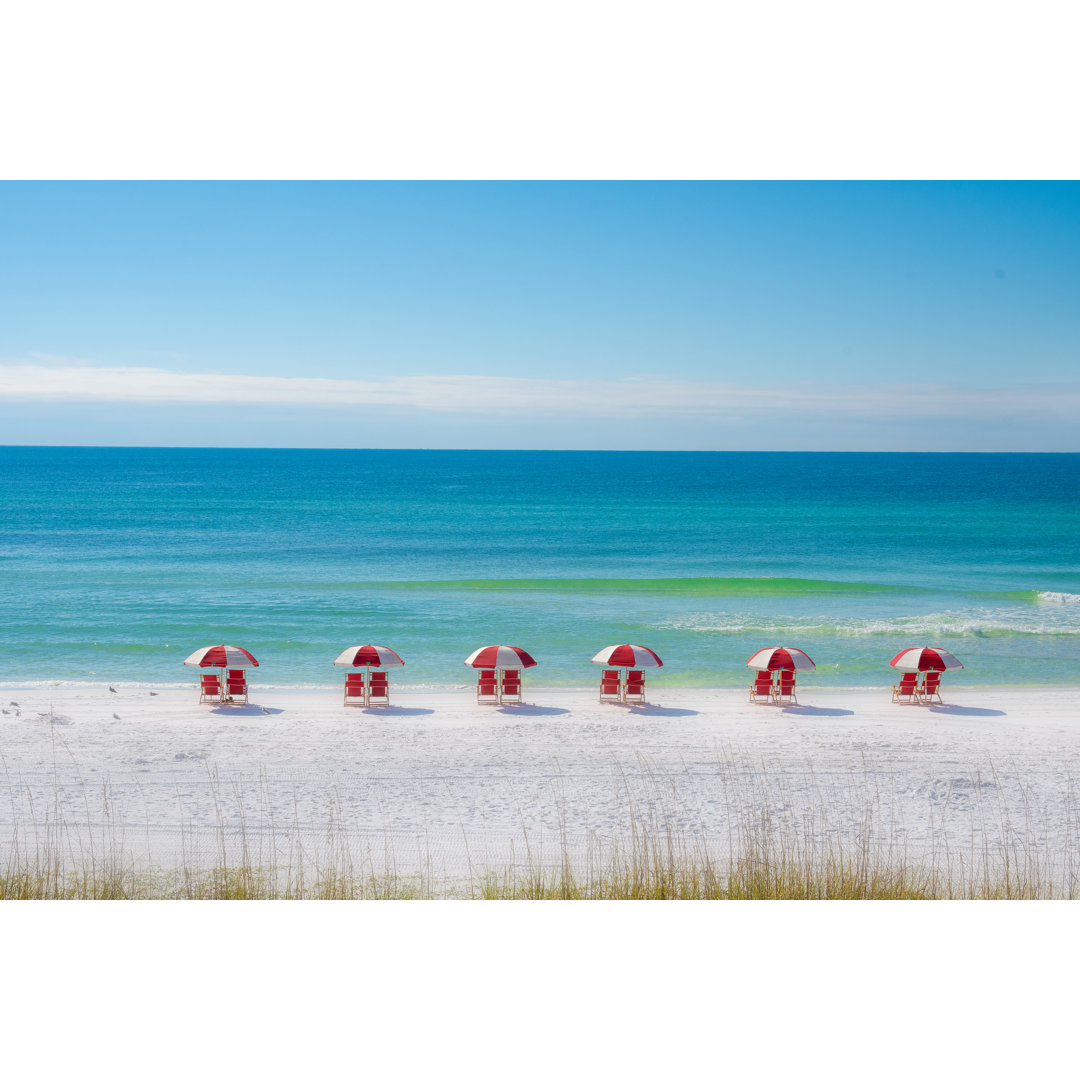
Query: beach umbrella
[[924, 659], [500, 656], [628, 656], [369, 656], [222, 656], [780, 659]]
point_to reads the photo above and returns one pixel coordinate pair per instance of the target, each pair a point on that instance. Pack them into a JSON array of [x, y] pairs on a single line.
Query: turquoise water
[[116, 563]]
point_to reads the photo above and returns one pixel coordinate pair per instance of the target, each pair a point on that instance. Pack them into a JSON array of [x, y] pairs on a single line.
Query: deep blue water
[[116, 563]]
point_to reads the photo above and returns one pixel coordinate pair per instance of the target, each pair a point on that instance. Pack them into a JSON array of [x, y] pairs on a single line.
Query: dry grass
[[766, 866], [640, 874], [766, 854]]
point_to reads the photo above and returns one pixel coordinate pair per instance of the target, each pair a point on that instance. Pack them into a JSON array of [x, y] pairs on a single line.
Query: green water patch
[[693, 587], [690, 587]]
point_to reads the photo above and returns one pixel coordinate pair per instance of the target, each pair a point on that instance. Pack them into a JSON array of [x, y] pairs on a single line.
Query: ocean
[[115, 564]]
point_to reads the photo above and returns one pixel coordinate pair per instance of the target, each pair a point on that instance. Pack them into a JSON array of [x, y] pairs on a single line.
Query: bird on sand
[[115, 717], [113, 690]]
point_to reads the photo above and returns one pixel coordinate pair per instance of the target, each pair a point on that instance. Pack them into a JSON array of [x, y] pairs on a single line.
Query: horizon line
[[498, 450]]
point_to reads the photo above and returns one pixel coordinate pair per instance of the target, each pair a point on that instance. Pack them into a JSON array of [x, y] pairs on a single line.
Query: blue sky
[[862, 316]]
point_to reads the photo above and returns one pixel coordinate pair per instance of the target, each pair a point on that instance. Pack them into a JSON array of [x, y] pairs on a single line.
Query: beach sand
[[438, 785]]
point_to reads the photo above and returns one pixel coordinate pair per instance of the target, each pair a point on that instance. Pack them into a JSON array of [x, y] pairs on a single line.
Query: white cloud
[[509, 396]]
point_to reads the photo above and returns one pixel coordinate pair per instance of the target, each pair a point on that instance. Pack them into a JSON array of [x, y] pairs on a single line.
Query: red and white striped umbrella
[[369, 656], [225, 656], [628, 656], [500, 656], [923, 659], [780, 659]]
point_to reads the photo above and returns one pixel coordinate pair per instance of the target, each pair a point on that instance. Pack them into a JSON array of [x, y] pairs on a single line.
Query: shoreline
[[581, 688]]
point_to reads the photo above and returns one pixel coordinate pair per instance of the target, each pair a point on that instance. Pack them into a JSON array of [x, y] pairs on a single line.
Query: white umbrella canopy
[[500, 656], [223, 656], [369, 656], [925, 659], [779, 658], [628, 656]]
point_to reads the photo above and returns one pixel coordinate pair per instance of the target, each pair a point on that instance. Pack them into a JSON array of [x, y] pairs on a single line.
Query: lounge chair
[[511, 686], [610, 685], [761, 689], [785, 689], [487, 688], [635, 687], [378, 688], [354, 688], [209, 688], [236, 688], [931, 687], [907, 689]]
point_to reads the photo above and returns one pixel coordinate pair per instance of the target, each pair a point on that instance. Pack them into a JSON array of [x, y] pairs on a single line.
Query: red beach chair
[[908, 689], [487, 688], [379, 688], [931, 687], [209, 688], [236, 686], [761, 689], [785, 690], [635, 687], [511, 686], [354, 688], [610, 686]]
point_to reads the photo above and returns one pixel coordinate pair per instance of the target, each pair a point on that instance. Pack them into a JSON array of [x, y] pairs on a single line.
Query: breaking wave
[[938, 625]]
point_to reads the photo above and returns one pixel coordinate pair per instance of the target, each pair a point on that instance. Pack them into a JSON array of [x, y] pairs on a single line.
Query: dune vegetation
[[764, 856]]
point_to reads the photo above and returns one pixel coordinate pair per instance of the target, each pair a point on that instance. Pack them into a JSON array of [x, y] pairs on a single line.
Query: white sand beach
[[440, 786]]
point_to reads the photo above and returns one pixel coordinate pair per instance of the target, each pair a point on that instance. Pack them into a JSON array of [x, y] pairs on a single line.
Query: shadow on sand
[[245, 710], [394, 710], [659, 710], [814, 710], [531, 710], [964, 710]]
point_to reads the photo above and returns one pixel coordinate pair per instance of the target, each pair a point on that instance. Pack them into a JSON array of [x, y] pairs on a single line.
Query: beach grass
[[763, 857], [744, 878]]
